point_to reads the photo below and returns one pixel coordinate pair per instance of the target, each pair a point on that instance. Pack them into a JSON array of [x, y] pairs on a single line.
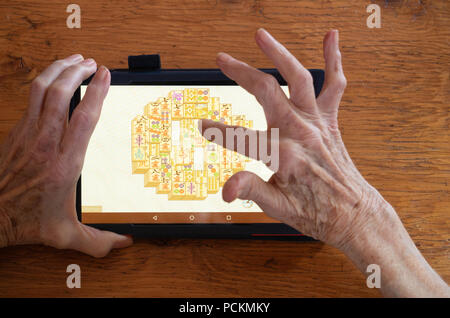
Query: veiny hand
[[317, 189], [41, 161]]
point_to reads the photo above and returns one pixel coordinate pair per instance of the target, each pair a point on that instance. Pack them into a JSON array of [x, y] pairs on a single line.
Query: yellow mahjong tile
[[212, 153], [177, 111], [140, 121], [200, 176], [199, 140], [138, 153], [176, 97], [140, 160], [166, 130], [225, 174], [191, 190], [177, 155], [188, 156], [165, 145], [135, 129], [165, 104], [178, 191], [238, 162], [212, 170], [189, 175], [189, 110], [166, 172], [213, 185], [153, 110], [225, 114], [188, 131], [152, 178], [190, 95], [155, 124], [186, 140], [192, 126], [155, 162], [139, 167], [166, 113], [202, 95], [177, 174], [214, 101], [214, 112], [165, 158], [155, 137], [238, 120], [164, 187], [139, 139], [202, 192], [153, 149], [201, 111], [225, 109], [225, 158], [213, 178]]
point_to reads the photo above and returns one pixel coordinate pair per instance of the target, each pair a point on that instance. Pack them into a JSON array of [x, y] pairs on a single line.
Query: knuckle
[[305, 78], [266, 83], [39, 84], [60, 63], [340, 83], [265, 88], [75, 68], [83, 120], [58, 90]]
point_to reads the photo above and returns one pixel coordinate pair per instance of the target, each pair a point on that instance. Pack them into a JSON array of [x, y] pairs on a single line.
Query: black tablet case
[[145, 70]]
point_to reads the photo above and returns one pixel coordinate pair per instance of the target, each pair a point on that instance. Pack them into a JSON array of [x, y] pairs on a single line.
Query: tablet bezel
[[187, 230]]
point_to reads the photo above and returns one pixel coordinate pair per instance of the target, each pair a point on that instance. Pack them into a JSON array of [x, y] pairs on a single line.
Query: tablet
[[149, 172]]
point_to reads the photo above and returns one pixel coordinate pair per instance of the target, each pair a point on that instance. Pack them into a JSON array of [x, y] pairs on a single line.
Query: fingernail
[[223, 57], [107, 73], [102, 71], [88, 62], [263, 35], [336, 35], [262, 31], [102, 74], [75, 58]]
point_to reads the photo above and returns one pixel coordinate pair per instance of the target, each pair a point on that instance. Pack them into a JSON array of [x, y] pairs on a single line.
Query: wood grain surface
[[394, 118]]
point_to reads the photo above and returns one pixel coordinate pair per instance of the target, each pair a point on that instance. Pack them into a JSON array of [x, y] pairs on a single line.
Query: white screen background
[[107, 179]]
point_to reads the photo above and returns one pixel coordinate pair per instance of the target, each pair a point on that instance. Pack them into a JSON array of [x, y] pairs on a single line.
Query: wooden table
[[394, 118]]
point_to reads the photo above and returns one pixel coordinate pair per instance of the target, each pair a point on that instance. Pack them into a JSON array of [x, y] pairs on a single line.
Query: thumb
[[246, 185], [96, 242]]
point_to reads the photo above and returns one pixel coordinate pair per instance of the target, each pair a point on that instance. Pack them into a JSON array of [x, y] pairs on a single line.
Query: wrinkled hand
[[317, 189], [41, 161]]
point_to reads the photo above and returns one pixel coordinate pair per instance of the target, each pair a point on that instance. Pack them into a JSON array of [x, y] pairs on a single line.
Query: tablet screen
[[148, 163]]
